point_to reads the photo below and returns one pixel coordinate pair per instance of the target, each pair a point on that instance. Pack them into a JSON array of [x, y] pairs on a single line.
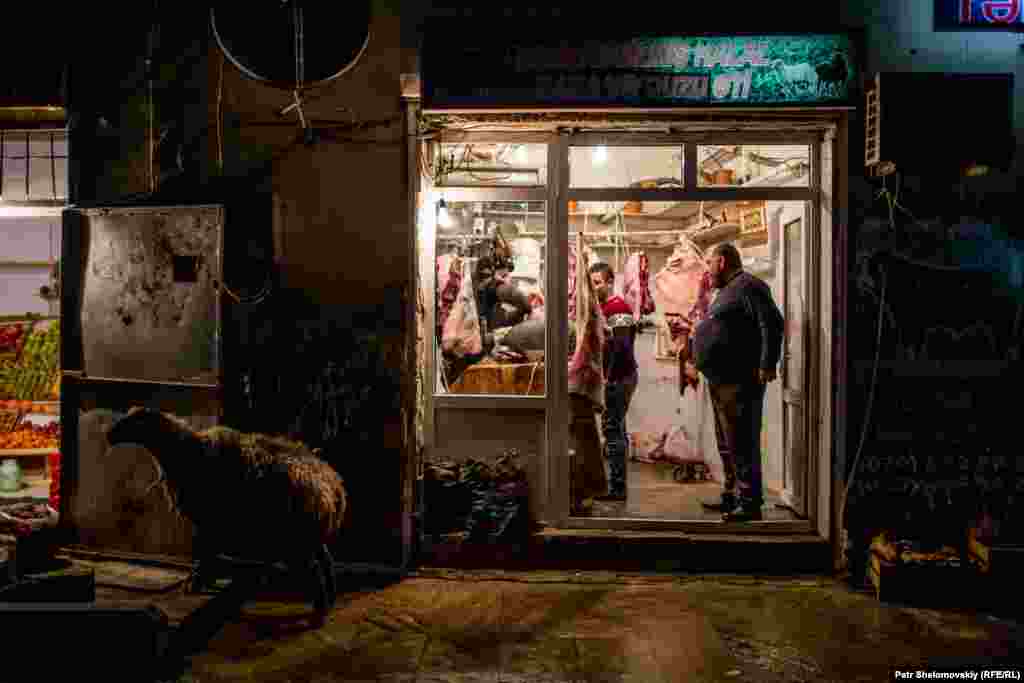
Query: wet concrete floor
[[548, 627]]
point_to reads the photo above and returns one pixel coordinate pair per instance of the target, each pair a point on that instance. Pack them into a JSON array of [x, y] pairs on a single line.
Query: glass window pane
[[753, 165], [39, 145], [794, 305], [491, 165], [60, 144], [14, 179], [56, 235], [14, 145], [490, 298], [61, 166], [19, 291], [25, 239], [40, 178], [625, 167]]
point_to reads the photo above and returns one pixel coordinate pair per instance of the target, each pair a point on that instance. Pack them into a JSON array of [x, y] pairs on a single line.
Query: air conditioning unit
[[938, 123]]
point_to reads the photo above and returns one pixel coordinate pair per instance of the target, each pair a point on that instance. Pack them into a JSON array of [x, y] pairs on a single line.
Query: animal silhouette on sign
[[798, 77], [832, 75]]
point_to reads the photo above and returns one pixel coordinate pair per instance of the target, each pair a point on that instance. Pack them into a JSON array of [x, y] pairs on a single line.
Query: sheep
[[249, 495], [801, 76]]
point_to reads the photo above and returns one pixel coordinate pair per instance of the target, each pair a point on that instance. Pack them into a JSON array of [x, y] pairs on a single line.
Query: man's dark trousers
[[738, 419]]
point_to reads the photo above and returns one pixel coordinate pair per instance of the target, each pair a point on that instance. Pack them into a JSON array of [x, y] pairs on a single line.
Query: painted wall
[[925, 430]]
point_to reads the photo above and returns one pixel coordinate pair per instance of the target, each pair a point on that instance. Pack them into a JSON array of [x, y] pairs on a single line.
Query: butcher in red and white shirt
[[621, 374]]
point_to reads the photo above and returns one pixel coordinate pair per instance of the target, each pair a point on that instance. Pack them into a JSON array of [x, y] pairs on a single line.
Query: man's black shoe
[[743, 513], [727, 503]]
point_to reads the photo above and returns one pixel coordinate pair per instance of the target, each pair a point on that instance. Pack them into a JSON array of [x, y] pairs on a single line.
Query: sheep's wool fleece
[[251, 488]]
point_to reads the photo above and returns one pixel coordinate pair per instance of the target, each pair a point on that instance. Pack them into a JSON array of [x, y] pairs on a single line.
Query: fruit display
[[9, 420], [12, 337], [31, 436], [29, 363], [33, 407]]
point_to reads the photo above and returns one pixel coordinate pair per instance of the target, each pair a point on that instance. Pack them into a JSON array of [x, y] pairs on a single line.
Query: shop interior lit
[[34, 172], [489, 217]]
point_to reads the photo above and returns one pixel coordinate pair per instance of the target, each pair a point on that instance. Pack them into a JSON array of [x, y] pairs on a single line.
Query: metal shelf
[[26, 452], [27, 264]]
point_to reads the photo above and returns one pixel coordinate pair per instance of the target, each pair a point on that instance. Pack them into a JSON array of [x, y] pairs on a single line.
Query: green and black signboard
[[752, 70]]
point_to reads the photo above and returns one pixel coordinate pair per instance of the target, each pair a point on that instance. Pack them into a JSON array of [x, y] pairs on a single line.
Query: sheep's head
[[139, 426]]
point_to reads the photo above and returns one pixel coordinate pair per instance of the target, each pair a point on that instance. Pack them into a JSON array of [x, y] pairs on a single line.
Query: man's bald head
[[730, 253], [722, 262]]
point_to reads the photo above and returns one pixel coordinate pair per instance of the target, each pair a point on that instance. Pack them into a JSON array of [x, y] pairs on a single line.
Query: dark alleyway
[[547, 627]]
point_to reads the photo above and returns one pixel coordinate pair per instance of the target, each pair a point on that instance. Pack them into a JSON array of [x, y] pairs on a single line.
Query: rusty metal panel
[[149, 306]]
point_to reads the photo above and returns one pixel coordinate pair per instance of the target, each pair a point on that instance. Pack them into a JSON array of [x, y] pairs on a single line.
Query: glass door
[[794, 365]]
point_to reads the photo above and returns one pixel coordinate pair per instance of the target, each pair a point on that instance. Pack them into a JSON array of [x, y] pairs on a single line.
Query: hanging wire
[[220, 113], [150, 104], [893, 202]]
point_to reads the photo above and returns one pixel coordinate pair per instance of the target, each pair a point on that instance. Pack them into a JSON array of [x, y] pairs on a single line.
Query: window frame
[[558, 194], [11, 137]]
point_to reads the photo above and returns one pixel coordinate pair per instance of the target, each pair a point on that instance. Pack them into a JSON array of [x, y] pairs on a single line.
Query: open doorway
[[654, 254]]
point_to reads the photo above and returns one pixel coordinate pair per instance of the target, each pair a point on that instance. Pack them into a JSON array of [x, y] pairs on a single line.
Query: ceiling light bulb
[[600, 154], [521, 156], [444, 217]]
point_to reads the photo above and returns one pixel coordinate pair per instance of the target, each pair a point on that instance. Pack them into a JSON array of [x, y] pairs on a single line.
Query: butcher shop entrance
[[505, 269], [564, 258]]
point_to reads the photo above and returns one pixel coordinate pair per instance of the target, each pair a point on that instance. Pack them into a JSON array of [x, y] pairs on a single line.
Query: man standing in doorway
[[737, 348], [620, 369]]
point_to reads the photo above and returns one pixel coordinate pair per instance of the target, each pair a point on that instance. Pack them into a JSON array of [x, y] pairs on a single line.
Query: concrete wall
[[900, 37], [916, 438], [342, 218]]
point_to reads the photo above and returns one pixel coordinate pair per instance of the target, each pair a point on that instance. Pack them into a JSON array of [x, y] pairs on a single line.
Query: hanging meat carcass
[[461, 334], [636, 288], [449, 281], [586, 367]]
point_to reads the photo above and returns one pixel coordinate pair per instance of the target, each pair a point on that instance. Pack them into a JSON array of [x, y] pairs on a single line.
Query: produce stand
[[30, 389], [29, 423]]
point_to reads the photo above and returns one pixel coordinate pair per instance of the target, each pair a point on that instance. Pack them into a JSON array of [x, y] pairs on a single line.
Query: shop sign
[[769, 70], [1006, 15]]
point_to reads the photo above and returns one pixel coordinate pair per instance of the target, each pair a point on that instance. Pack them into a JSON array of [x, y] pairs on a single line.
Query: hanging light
[[444, 217], [600, 154]]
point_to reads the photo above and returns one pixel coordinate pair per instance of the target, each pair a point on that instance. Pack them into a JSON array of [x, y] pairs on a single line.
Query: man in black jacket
[[737, 347]]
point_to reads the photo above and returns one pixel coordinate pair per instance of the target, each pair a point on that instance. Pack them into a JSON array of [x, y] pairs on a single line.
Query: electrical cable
[[871, 399], [150, 104], [220, 114]]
